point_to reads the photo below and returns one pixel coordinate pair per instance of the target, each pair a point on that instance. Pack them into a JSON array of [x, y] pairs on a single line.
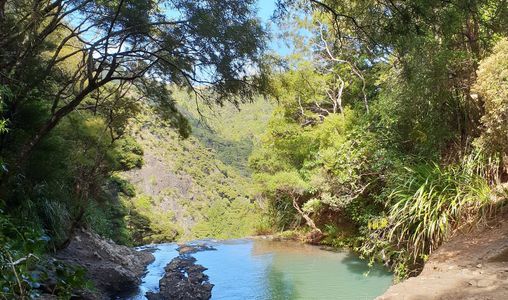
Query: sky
[[266, 9]]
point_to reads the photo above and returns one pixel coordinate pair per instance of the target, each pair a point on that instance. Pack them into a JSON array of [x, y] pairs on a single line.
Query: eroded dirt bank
[[472, 265]]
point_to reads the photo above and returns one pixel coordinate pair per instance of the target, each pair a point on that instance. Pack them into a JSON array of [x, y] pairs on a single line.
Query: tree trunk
[[304, 215], [76, 223], [2, 9], [52, 122], [315, 235]]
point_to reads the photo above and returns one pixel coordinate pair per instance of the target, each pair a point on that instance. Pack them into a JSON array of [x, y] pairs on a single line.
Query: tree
[[190, 43], [417, 38], [492, 86]]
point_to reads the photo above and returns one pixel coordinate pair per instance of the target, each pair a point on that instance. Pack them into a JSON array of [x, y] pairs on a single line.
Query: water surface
[[262, 269]]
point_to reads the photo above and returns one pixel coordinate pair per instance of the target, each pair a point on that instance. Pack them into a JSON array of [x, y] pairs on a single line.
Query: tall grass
[[429, 202]]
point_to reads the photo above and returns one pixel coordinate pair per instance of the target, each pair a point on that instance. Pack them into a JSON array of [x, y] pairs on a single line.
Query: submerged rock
[[183, 280], [187, 249]]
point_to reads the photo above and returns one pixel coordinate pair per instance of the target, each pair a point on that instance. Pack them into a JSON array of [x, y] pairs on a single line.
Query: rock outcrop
[[183, 278], [112, 268]]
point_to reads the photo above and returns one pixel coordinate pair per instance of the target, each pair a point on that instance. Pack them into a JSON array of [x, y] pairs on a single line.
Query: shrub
[[492, 86], [130, 154], [108, 220], [425, 205], [226, 219], [430, 201], [264, 225], [24, 267]]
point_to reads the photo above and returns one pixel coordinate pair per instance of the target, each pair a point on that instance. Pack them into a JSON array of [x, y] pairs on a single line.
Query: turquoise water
[[261, 269]]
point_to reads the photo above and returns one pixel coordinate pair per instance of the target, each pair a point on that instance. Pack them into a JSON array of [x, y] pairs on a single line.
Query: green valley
[[199, 186], [280, 146]]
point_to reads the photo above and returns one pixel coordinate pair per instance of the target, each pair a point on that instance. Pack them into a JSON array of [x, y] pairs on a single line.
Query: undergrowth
[[427, 204]]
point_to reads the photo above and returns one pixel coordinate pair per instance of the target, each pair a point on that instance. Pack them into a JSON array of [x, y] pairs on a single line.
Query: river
[[263, 269]]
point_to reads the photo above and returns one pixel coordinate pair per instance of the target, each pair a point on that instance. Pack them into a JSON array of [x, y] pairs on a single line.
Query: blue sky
[[266, 9]]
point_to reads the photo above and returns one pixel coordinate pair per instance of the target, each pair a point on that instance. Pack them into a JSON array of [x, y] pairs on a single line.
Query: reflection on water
[[278, 287], [260, 269]]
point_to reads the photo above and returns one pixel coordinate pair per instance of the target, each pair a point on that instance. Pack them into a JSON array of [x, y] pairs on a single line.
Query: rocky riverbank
[[473, 265], [110, 267]]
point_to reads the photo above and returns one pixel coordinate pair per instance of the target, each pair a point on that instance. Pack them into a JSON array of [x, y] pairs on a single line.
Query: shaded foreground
[[112, 268]]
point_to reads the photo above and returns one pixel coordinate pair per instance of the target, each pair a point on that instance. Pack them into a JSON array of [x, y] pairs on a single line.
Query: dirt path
[[472, 265]]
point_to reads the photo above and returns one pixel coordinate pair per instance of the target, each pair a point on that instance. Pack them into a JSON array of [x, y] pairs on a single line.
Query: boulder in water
[[183, 280]]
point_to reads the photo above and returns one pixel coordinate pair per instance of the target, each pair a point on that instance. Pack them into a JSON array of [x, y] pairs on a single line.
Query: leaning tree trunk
[[315, 235]]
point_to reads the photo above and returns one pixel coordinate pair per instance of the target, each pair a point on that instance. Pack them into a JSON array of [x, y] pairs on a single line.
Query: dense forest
[[391, 125], [384, 130]]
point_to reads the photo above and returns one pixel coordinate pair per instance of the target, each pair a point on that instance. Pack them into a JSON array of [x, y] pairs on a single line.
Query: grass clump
[[426, 205]]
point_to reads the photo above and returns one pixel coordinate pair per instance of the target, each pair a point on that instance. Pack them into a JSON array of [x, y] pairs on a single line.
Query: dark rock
[[111, 267], [183, 280], [191, 248]]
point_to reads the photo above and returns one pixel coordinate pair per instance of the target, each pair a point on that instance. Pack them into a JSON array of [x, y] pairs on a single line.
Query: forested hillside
[[74, 76], [231, 131], [200, 186], [383, 127]]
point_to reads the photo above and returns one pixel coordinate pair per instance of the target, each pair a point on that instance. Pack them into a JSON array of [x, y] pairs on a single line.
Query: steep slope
[[196, 187], [230, 131]]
